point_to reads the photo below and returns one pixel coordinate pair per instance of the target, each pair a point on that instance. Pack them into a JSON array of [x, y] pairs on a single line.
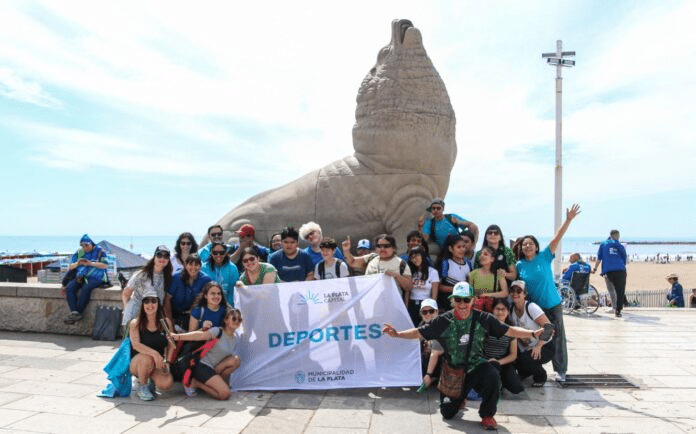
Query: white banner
[[324, 334]]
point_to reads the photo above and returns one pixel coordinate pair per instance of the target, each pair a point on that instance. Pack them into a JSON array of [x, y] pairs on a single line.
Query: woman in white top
[[185, 245], [155, 276], [532, 353], [425, 282]]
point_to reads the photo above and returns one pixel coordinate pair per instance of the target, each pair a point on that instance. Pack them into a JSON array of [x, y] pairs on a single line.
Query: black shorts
[[203, 372]]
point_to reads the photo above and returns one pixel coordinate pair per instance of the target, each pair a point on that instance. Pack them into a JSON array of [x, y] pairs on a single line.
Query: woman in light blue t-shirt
[[534, 268]]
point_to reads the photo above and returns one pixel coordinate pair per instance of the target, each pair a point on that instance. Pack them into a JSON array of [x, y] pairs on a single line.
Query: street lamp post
[[558, 60]]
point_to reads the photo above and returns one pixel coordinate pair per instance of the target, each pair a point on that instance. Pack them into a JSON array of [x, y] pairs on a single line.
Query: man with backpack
[[440, 225], [329, 267]]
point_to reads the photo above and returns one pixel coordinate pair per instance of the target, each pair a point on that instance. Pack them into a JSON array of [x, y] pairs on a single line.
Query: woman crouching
[[212, 373], [149, 346]]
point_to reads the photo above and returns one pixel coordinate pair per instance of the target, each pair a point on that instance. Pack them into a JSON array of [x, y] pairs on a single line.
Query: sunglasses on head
[[461, 299], [427, 311], [162, 255], [150, 300]]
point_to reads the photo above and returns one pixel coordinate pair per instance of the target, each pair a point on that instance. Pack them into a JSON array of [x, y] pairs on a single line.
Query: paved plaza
[[48, 384]]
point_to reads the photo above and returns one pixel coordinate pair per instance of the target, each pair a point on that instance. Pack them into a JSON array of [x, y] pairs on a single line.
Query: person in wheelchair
[[577, 265]]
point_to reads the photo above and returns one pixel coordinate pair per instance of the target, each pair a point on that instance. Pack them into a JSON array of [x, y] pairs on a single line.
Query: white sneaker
[[609, 310], [560, 377]]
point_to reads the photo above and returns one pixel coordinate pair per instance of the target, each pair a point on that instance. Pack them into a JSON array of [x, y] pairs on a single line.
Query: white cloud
[[14, 87]]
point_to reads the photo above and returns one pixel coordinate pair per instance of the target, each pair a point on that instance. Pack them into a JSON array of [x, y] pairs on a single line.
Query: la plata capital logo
[[310, 297], [300, 377]]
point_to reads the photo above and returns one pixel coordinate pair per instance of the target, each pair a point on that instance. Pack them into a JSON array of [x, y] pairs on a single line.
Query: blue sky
[[157, 117]]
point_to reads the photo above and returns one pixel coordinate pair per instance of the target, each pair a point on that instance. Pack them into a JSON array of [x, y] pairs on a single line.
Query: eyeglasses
[[162, 255], [150, 300], [383, 246], [248, 259], [517, 290], [461, 299], [218, 252], [216, 234], [236, 319], [185, 243], [428, 311], [493, 232]]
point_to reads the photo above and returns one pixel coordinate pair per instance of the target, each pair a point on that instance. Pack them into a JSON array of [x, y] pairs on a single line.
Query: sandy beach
[[651, 276]]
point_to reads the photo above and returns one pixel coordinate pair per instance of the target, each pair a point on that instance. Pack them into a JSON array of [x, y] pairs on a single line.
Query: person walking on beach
[[612, 256], [676, 295]]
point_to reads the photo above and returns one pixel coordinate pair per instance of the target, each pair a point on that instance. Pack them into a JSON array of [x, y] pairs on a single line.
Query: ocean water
[[146, 244]]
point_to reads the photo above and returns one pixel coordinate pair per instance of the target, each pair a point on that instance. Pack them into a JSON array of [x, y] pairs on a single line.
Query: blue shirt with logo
[[577, 266], [292, 270], [612, 254]]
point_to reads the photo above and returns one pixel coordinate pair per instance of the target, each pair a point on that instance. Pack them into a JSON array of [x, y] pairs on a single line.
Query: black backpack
[[322, 269]]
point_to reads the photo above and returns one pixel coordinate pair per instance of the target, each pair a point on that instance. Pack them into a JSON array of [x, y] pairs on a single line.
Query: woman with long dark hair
[[222, 270], [453, 266], [185, 245], [156, 275], [503, 257], [487, 282], [150, 347], [502, 352], [255, 271], [425, 282], [185, 287], [534, 268], [209, 308]]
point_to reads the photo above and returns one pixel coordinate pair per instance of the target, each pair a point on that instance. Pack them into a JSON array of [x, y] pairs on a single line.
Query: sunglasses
[[427, 311], [219, 252], [216, 234], [517, 290], [248, 259], [236, 319], [435, 208], [383, 246], [162, 255], [150, 300], [461, 299], [493, 233], [185, 243]]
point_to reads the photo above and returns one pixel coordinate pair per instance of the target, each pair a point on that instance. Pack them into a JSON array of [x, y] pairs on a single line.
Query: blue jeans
[[79, 303], [560, 358]]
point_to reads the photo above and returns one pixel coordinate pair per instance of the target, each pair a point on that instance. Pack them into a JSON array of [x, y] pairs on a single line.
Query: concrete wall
[[39, 307]]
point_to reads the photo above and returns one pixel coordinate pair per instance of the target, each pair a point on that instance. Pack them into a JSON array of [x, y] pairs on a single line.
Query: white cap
[[429, 302]]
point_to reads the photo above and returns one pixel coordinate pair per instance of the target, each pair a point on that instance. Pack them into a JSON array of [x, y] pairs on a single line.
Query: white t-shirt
[[527, 322], [330, 271], [378, 265], [422, 287]]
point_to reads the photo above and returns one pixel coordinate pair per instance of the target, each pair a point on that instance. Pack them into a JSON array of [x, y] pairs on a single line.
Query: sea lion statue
[[404, 151]]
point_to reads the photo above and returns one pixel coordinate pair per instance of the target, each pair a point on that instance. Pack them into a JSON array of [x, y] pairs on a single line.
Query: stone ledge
[[40, 307]]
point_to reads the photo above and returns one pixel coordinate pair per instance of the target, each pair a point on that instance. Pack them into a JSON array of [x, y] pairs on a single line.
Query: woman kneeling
[[212, 373], [149, 344]]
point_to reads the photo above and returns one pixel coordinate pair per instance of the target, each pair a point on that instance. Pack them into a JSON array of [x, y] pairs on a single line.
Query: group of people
[[192, 289]]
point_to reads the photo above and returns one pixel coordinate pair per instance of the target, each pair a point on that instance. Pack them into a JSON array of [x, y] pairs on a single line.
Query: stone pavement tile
[[88, 356], [47, 375], [8, 417], [524, 424], [236, 402], [235, 417], [558, 393], [544, 408], [7, 397], [37, 362], [147, 428], [322, 430], [646, 409], [410, 414], [68, 424], [5, 381], [97, 380], [279, 421], [61, 405], [344, 413], [682, 381], [584, 425], [173, 415], [665, 395], [687, 424], [6, 368], [292, 399], [49, 389], [30, 351], [85, 367]]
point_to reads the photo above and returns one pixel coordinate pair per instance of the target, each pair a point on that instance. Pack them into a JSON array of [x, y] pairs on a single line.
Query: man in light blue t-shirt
[[440, 225]]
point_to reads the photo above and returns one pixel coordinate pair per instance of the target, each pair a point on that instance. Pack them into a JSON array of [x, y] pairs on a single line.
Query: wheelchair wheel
[[590, 301], [568, 299]]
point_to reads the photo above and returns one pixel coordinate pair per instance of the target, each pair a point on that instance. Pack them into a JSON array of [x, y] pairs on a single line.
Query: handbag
[[452, 378], [107, 322]]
